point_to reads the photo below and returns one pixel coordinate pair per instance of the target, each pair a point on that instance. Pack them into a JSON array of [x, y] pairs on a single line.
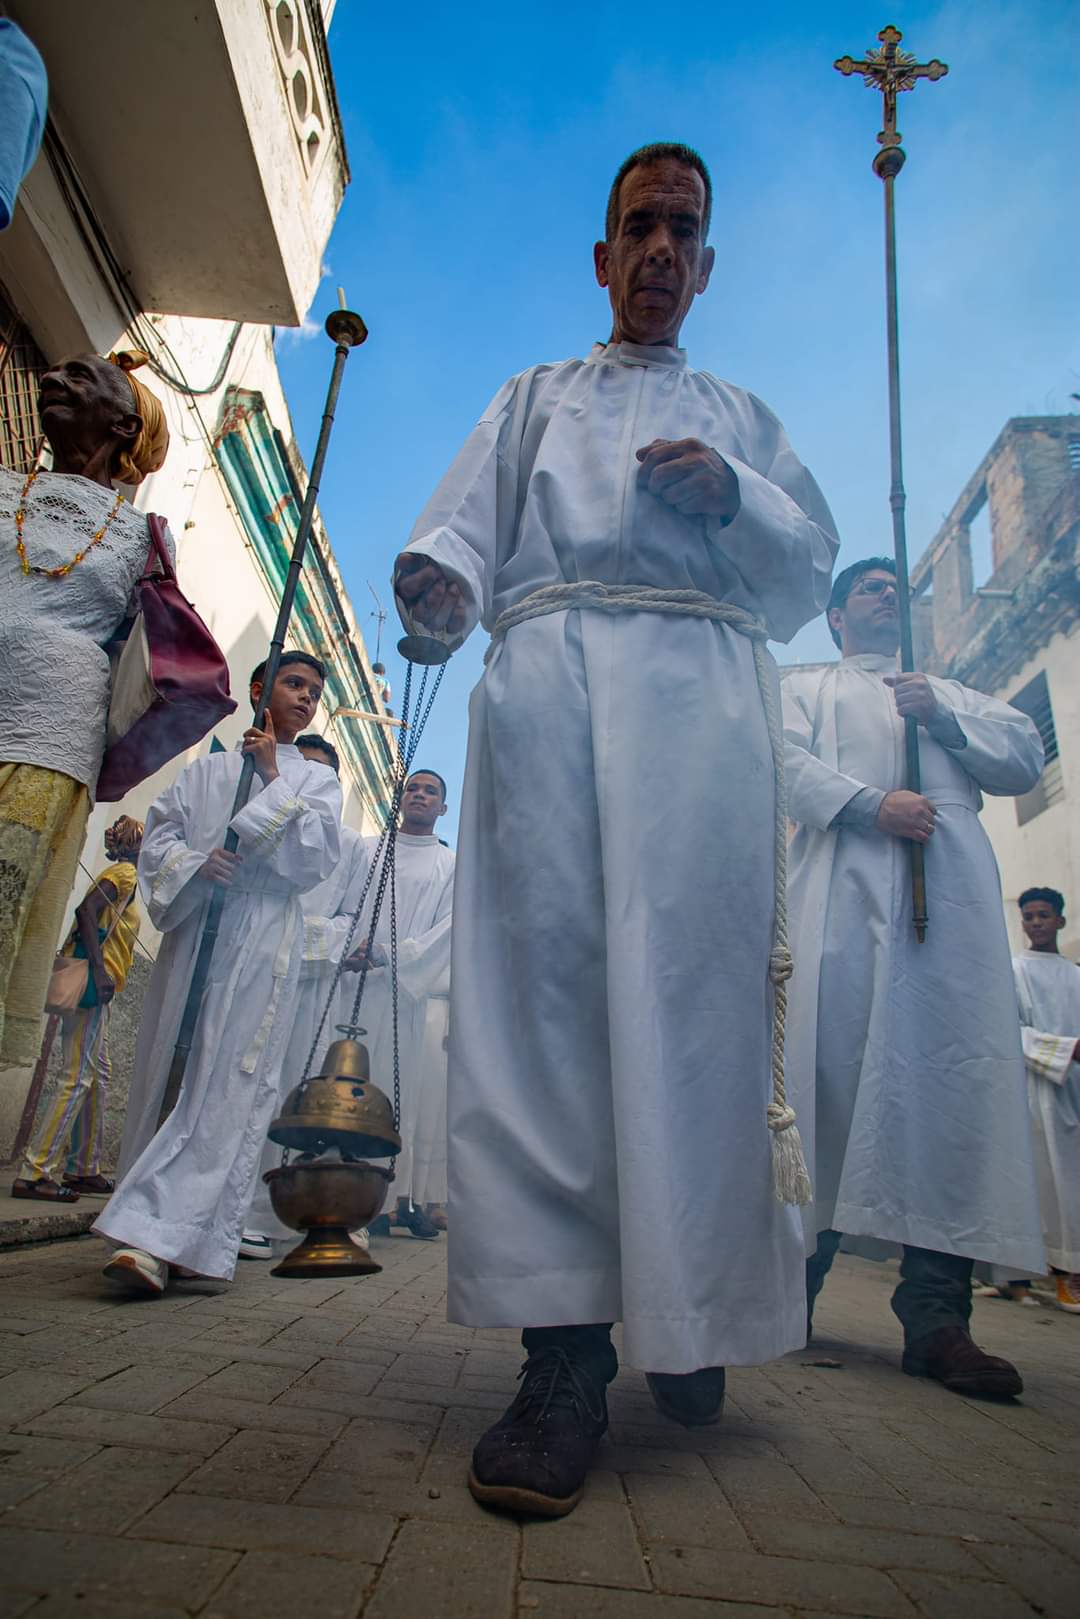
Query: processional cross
[[892, 70]]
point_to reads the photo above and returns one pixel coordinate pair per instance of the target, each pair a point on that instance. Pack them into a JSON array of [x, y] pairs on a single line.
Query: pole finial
[[890, 70]]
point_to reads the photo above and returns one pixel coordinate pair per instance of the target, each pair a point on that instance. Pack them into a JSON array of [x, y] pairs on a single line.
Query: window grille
[[22, 366], [1034, 700]]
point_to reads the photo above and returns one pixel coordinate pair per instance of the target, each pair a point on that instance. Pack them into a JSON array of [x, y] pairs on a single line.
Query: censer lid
[[339, 1108]]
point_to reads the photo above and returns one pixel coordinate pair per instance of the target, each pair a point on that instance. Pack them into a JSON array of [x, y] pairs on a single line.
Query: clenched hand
[[432, 599], [690, 476]]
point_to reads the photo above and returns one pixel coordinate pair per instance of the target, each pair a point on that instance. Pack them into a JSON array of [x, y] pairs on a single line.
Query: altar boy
[[186, 1187]]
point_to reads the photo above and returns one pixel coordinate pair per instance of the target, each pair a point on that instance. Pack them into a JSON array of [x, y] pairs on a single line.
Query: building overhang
[[207, 138]]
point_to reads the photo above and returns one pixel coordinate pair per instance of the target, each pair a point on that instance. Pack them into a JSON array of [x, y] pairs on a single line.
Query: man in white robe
[[920, 1133], [328, 915], [609, 1027], [424, 889], [185, 1189], [1048, 989]]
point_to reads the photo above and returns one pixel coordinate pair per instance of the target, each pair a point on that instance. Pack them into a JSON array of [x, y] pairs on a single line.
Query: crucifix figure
[[891, 70]]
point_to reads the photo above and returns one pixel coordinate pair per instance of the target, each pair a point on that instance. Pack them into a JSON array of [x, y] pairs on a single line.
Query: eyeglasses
[[872, 587]]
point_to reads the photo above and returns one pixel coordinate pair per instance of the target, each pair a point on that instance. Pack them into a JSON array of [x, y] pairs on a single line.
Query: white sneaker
[[361, 1238], [139, 1272], [252, 1246]]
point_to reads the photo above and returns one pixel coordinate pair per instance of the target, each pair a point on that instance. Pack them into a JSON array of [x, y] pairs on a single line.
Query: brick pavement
[[276, 1448]]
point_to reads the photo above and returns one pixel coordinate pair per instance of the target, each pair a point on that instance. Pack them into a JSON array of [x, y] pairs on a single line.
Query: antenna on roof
[[380, 617]]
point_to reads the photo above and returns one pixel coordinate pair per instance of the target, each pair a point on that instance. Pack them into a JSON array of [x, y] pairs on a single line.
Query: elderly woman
[[71, 550]]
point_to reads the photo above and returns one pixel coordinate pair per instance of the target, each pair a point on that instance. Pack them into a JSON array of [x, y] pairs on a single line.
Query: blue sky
[[482, 143]]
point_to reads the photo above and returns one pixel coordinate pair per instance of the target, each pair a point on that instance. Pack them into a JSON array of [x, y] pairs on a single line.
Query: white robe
[[424, 886], [920, 1133], [610, 1009], [185, 1189], [328, 913], [1048, 989]]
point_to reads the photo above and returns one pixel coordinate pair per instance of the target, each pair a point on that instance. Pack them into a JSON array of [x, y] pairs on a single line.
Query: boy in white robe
[[920, 1135], [328, 912], [424, 885], [610, 1032], [1048, 990], [185, 1188]]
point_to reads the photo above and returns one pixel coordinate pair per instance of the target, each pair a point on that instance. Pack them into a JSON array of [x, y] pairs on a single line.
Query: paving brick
[[361, 1405], [130, 1428], [480, 1400], [26, 1394], [772, 1581], [141, 1389], [537, 1601], [329, 1529], [81, 1607], [455, 1570], [963, 1523], [942, 1598], [43, 1458], [641, 1459], [380, 1449], [778, 1536], [432, 1367], [280, 1585], [1065, 1536], [687, 1512], [13, 1604], [220, 1355], [107, 1493], [1047, 1579], [445, 1501], [15, 1487], [765, 1484], [257, 1467], [596, 1545], [244, 1331], [101, 1566], [250, 1414], [256, 1380]]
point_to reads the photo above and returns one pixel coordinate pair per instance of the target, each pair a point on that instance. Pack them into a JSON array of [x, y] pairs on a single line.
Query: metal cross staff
[[891, 70]]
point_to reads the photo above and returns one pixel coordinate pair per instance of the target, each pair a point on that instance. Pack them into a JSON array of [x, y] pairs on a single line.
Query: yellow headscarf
[[149, 450]]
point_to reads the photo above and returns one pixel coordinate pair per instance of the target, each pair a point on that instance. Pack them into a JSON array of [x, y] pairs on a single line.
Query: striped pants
[[74, 1120]]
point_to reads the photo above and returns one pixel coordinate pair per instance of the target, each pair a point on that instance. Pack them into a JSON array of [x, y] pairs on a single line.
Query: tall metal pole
[[347, 331], [891, 70]]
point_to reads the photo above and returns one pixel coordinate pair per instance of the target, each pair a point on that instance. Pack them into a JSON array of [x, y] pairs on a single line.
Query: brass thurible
[[336, 1112]]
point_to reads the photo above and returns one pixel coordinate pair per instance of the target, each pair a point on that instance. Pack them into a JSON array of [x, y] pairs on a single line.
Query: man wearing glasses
[[919, 1137]]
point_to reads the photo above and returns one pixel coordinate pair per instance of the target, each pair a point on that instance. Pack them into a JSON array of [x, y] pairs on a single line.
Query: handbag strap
[[159, 551]]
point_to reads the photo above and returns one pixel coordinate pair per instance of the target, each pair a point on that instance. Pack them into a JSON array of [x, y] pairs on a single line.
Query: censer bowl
[[327, 1200]]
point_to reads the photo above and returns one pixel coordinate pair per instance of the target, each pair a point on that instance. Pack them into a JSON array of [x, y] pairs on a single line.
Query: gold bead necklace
[[29, 567]]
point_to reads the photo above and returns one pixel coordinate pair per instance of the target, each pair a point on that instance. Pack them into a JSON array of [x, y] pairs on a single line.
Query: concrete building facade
[[192, 169], [1017, 636]]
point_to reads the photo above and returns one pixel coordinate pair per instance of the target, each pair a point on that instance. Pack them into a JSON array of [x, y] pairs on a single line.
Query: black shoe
[[416, 1222], [380, 1226], [535, 1458], [696, 1399], [951, 1356]]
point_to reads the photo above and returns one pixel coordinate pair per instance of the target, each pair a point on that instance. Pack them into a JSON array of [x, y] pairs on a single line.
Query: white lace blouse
[[54, 671]]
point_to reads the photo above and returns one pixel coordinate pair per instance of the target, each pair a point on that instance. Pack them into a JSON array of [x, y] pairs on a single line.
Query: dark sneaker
[[951, 1356], [416, 1223], [380, 1226], [535, 1458], [695, 1399]]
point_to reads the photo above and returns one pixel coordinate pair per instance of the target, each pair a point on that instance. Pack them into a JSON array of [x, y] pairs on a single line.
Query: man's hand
[[106, 989], [915, 698], [262, 745], [907, 815], [361, 958], [432, 599], [219, 867], [689, 476]]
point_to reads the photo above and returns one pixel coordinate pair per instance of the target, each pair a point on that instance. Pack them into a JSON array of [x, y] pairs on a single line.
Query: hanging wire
[[383, 864]]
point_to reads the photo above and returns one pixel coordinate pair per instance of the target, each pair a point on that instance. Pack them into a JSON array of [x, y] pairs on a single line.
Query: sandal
[[44, 1191], [92, 1185]]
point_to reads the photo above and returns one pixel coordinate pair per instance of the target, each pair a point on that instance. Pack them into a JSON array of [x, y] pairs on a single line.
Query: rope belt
[[791, 1181]]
